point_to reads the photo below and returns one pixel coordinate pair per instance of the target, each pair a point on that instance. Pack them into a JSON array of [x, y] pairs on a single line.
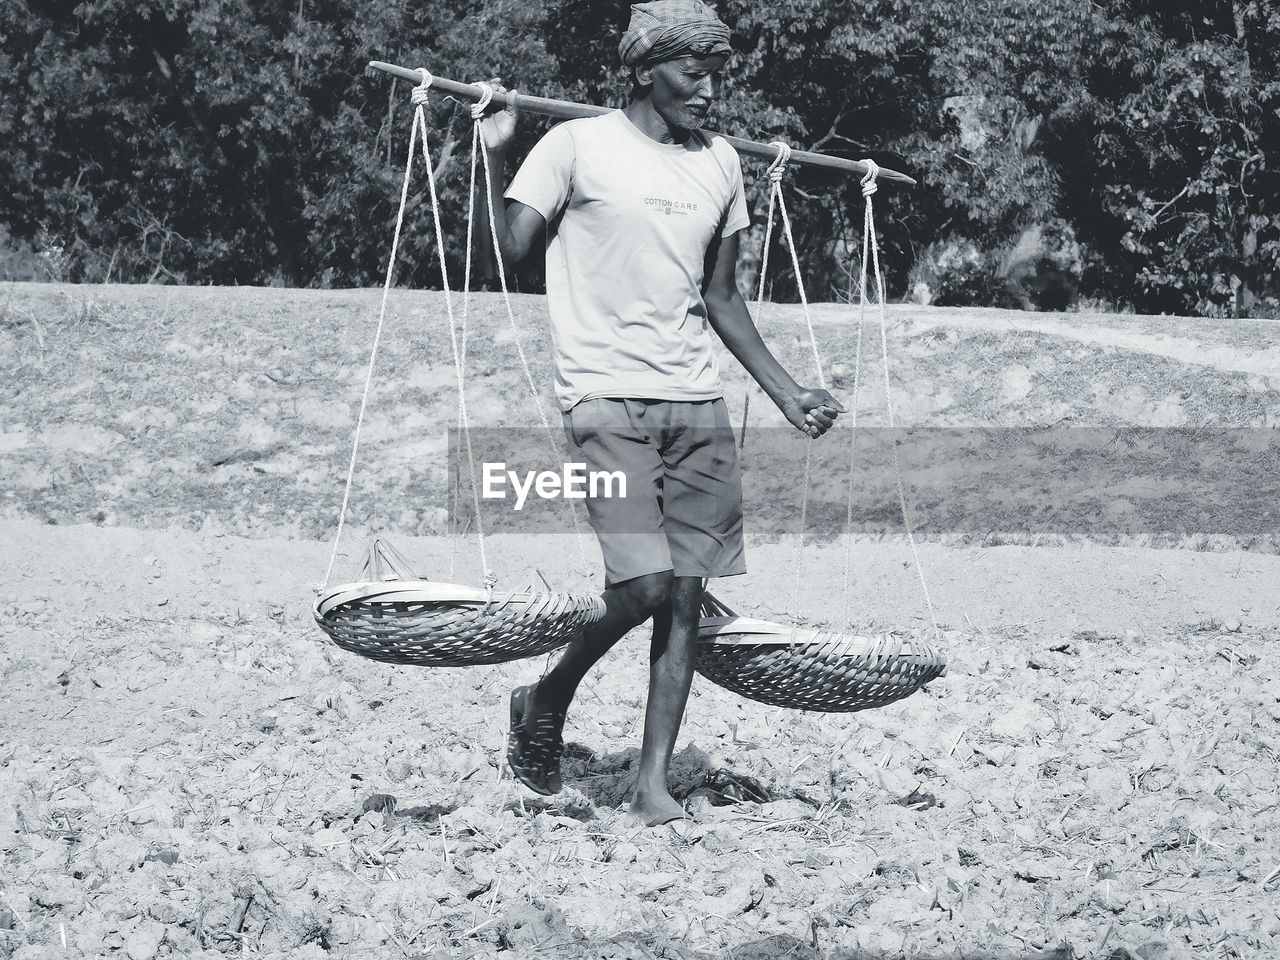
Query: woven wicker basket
[[396, 618], [810, 669]]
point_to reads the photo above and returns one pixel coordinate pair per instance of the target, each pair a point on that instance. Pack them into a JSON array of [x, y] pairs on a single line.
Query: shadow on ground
[[607, 779]]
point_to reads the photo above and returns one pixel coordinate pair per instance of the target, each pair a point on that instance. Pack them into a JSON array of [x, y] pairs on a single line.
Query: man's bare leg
[[672, 653], [627, 605]]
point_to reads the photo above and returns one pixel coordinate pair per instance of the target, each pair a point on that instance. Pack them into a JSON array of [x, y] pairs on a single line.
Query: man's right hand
[[812, 411], [499, 127]]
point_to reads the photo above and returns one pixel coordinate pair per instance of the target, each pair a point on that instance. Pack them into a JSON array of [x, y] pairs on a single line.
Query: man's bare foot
[[654, 808]]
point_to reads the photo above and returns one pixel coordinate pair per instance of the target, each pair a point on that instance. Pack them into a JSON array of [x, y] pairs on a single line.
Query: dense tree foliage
[[221, 141], [1187, 141]]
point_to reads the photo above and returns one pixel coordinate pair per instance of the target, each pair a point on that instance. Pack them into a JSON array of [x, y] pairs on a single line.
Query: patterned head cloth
[[666, 29]]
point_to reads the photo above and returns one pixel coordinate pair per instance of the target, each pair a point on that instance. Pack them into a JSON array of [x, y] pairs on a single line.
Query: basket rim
[[748, 631], [395, 590]]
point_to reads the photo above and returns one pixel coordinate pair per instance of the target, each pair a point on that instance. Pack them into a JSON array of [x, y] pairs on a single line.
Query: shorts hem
[[613, 581], [719, 574]]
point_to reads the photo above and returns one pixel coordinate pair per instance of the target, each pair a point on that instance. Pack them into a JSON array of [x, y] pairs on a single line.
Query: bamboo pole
[[566, 110]]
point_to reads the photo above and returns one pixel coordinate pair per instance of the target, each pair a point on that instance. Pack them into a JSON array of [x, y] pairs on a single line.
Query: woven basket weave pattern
[[818, 676], [809, 670], [439, 634], [393, 616]]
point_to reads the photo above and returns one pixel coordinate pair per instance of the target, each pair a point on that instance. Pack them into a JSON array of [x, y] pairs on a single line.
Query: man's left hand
[[812, 411]]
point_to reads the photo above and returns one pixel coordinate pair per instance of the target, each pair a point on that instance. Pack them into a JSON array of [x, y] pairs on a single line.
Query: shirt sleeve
[[736, 216], [545, 179]]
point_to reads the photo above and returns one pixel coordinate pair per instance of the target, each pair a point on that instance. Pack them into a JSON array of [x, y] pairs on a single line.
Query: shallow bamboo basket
[[810, 669], [395, 617]]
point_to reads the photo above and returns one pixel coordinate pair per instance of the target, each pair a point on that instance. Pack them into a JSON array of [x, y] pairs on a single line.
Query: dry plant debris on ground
[[188, 770]]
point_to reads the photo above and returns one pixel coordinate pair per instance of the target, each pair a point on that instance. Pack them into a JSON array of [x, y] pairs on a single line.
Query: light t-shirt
[[629, 221]]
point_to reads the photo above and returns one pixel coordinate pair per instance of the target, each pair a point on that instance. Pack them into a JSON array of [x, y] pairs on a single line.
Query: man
[[641, 213]]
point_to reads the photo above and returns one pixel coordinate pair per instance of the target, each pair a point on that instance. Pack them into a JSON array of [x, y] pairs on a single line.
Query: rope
[[870, 254], [457, 331], [487, 94], [377, 338], [477, 114], [477, 111], [804, 519], [776, 171], [777, 168], [853, 434], [804, 300], [778, 165], [419, 97], [871, 241]]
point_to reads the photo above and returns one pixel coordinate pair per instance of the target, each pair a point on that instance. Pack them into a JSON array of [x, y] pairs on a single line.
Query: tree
[[220, 141], [1183, 174]]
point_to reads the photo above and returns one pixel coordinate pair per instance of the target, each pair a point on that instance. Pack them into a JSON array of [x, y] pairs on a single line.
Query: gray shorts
[[683, 506]]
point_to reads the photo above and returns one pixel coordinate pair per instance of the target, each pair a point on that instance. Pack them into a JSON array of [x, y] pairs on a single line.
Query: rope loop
[[419, 93], [869, 185], [481, 105], [490, 581], [778, 168]]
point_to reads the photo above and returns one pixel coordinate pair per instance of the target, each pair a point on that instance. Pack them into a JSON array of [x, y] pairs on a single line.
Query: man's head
[[676, 50], [681, 90]]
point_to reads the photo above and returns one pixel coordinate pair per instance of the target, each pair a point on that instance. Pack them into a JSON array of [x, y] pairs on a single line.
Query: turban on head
[[666, 29]]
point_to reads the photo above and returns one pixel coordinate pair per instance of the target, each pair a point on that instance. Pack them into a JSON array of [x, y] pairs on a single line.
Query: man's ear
[[643, 75]]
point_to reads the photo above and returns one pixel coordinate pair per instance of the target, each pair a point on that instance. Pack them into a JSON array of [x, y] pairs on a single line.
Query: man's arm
[[810, 410], [519, 227]]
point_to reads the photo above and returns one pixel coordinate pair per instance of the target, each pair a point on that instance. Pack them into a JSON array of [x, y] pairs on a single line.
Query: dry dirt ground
[[187, 769]]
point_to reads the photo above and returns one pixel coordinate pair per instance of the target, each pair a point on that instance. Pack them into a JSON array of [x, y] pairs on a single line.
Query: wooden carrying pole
[[571, 111]]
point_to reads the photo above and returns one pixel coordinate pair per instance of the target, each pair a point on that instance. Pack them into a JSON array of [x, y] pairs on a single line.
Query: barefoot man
[[641, 214]]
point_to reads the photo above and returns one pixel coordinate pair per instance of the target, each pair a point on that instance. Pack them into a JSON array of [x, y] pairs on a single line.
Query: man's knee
[[644, 595], [686, 599]]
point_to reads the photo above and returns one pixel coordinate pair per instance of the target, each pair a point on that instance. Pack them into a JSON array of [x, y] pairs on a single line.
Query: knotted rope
[[778, 165]]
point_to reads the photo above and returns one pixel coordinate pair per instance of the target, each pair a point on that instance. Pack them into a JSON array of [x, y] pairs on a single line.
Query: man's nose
[[709, 88]]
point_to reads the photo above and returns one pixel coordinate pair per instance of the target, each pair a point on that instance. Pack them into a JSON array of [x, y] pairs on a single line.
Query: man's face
[[685, 88]]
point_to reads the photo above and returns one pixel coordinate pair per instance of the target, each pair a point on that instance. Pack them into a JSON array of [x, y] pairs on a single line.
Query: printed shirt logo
[[668, 207]]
